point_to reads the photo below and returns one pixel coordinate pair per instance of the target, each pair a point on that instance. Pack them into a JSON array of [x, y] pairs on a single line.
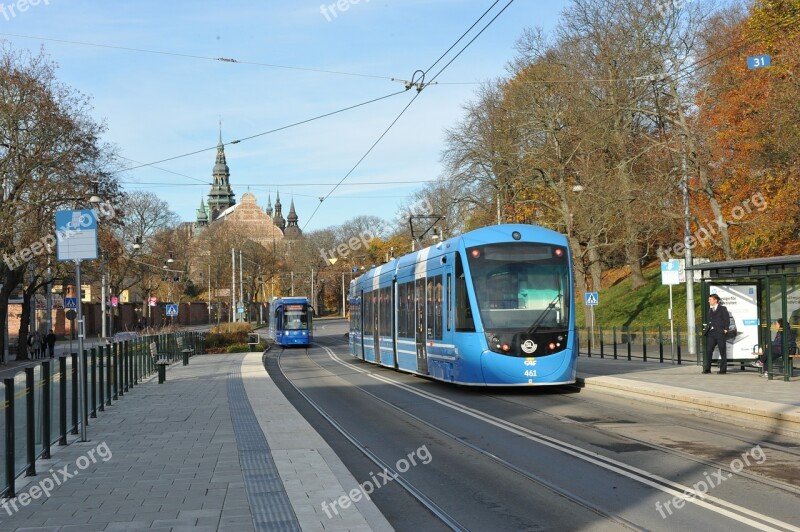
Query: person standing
[[718, 322], [31, 341], [50, 339], [37, 345]]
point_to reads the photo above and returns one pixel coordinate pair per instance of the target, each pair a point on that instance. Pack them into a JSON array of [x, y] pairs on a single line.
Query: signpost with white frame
[[76, 233], [670, 275]]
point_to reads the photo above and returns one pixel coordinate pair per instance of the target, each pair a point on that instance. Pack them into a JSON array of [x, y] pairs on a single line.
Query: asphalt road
[[535, 459]]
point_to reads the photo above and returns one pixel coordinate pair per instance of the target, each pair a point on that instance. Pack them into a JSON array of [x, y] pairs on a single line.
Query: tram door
[[361, 314], [420, 326], [393, 322], [377, 306]]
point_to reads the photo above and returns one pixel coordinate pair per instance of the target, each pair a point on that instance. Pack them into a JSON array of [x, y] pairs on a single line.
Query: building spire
[[221, 195], [279, 221], [292, 231]]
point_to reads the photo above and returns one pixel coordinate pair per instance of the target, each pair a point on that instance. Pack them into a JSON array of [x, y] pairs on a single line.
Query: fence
[[49, 392], [645, 343]]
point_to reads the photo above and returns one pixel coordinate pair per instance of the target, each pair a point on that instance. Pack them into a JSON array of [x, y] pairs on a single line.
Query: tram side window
[[384, 312], [430, 308], [464, 321], [387, 319], [367, 303], [437, 313], [409, 314], [402, 311], [449, 317]]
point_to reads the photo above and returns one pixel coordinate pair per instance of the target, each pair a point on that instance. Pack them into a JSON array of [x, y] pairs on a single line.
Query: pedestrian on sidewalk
[[776, 349], [30, 341], [718, 322], [37, 345], [50, 339]]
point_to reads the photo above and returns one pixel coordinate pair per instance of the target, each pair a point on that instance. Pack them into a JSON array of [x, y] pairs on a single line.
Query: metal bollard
[[74, 357], [185, 357], [162, 373], [47, 412], [62, 400], [10, 458], [101, 381], [30, 420], [93, 369]]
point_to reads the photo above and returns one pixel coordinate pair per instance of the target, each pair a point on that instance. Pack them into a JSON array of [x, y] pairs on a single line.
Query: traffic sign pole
[[81, 383]]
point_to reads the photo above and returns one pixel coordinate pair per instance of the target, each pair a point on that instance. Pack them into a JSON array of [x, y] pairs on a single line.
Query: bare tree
[[50, 158]]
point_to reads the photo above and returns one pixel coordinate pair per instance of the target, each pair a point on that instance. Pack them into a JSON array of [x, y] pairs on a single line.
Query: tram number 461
[[530, 372]]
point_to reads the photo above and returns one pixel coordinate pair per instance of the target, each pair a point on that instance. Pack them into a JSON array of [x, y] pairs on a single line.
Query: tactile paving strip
[[269, 503]]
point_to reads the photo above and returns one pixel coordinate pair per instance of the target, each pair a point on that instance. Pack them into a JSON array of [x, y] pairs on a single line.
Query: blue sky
[[157, 106]]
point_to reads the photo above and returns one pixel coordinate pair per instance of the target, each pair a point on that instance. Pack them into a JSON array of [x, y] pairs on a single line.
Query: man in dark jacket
[[718, 322], [50, 340]]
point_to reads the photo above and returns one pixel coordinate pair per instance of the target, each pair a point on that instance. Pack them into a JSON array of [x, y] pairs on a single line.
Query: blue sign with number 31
[[759, 61]]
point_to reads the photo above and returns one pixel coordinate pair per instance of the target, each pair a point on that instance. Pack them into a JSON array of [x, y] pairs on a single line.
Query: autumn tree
[[51, 158]]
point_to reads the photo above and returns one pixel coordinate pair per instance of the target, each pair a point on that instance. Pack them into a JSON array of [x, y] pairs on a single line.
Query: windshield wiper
[[550, 306]]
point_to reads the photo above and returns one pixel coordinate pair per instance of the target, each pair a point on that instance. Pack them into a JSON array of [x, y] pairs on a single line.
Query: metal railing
[[41, 402], [641, 343]]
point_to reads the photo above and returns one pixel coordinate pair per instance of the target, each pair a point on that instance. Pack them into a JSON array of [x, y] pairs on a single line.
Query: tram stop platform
[[743, 397], [218, 447]]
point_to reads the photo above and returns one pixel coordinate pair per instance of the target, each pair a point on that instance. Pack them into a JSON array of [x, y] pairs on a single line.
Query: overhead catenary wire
[[268, 185], [194, 56], [282, 128], [420, 86]]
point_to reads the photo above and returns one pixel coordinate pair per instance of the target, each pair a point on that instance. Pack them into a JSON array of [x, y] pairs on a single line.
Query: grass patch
[[620, 305]]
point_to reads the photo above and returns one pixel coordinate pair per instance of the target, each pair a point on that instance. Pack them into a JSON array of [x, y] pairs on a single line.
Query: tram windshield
[[295, 318], [521, 284]]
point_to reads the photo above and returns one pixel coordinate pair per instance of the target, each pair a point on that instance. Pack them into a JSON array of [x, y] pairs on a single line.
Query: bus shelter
[[757, 293]]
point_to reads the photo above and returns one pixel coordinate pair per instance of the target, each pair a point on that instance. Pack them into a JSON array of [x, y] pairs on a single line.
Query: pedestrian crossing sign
[[172, 310], [592, 298], [70, 302]]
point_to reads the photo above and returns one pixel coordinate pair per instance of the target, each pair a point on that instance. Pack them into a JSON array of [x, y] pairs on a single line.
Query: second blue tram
[[291, 322], [491, 307]]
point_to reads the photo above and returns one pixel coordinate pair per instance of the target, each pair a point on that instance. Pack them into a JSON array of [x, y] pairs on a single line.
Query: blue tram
[[492, 307], [290, 321]]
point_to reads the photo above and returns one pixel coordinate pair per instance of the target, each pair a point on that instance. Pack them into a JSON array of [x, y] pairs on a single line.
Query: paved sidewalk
[[191, 454], [738, 394]]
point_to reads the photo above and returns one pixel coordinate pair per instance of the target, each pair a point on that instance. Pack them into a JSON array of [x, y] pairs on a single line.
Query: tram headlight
[[552, 346], [506, 348]]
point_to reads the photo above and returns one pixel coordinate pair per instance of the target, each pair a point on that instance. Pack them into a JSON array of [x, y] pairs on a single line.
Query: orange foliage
[[749, 119]]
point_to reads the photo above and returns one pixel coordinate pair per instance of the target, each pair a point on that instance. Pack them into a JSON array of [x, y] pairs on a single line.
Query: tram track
[[714, 504], [761, 479], [663, 448], [539, 481], [415, 493]]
